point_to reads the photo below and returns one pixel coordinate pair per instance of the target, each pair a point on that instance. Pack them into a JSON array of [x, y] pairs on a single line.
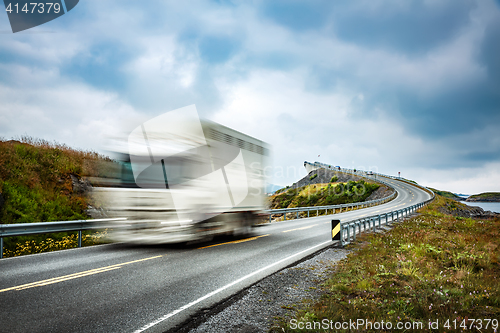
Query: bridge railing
[[366, 174], [349, 229], [352, 206]]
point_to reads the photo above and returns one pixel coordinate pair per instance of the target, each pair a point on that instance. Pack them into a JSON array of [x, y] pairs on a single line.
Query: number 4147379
[[35, 7], [470, 323]]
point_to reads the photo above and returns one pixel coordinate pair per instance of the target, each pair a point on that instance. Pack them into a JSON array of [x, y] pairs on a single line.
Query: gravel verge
[[278, 295]]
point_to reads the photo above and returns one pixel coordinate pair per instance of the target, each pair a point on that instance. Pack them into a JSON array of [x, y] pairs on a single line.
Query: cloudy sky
[[388, 85]]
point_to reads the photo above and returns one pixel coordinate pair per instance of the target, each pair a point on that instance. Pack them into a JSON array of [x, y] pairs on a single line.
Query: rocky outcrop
[[484, 197], [382, 192], [461, 210], [80, 185], [324, 176], [83, 187]]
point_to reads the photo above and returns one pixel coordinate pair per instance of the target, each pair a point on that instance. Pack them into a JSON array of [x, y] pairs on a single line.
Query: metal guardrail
[[349, 229], [23, 229], [364, 173], [362, 204], [298, 210]]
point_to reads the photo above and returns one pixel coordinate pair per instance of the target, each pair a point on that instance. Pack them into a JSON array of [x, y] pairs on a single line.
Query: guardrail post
[[342, 231], [1, 247], [284, 215], [270, 217], [297, 215], [79, 238], [308, 212], [349, 233]]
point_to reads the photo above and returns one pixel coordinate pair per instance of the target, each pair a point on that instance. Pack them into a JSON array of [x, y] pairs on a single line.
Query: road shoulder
[[278, 295]]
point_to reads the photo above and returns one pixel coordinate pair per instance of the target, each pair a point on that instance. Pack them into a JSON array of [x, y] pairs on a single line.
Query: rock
[[462, 210], [485, 197], [324, 176], [480, 199], [382, 192], [80, 185], [96, 213]]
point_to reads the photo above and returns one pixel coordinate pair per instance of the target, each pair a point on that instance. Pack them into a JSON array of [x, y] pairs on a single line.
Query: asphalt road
[[117, 288]]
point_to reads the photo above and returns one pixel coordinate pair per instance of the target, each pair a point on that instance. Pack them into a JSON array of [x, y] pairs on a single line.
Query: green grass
[[36, 185], [445, 194], [431, 267], [323, 194]]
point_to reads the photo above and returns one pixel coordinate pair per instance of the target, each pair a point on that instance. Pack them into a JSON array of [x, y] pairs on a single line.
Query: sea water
[[491, 206]]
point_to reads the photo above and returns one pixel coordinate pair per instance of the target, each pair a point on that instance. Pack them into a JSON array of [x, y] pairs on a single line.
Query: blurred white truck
[[182, 179]]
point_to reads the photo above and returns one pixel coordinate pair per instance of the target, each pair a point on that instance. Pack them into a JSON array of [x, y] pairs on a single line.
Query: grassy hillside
[[446, 194], [37, 183], [323, 194], [433, 266]]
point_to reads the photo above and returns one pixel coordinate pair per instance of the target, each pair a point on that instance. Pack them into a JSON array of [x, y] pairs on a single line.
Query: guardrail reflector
[[335, 230]]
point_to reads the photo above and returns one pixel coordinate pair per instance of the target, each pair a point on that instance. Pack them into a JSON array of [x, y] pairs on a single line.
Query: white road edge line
[[173, 313]]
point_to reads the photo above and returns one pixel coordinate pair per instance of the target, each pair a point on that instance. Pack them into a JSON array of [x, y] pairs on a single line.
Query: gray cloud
[[386, 83]]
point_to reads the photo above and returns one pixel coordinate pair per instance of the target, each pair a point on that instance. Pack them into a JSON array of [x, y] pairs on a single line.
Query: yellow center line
[[74, 275], [234, 242], [309, 226]]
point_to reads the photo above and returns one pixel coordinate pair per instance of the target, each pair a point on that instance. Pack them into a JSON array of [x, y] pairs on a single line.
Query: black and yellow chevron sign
[[335, 230]]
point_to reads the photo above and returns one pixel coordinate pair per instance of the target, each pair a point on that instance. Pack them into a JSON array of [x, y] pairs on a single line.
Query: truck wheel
[[242, 231]]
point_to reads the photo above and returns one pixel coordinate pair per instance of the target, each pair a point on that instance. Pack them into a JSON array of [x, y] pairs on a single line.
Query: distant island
[[485, 197]]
